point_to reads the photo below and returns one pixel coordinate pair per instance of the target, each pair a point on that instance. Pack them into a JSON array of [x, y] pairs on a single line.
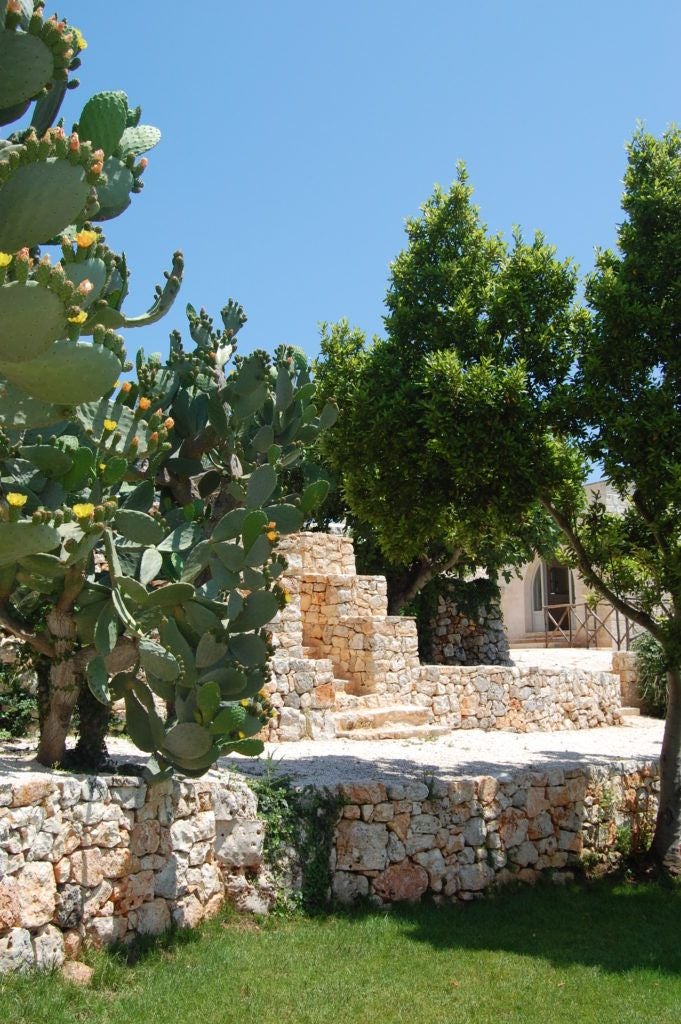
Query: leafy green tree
[[503, 321], [525, 391]]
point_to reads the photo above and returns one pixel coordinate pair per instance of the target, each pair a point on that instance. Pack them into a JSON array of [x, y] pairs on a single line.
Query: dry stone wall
[[103, 859], [456, 839], [467, 639], [336, 649]]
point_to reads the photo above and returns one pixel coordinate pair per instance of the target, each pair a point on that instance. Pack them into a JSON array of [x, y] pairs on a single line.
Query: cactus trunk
[[64, 686]]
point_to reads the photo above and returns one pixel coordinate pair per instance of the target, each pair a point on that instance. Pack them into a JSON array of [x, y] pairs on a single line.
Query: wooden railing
[[580, 625]]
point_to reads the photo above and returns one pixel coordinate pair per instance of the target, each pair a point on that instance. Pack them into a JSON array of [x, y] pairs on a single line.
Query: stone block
[[152, 918], [475, 877], [239, 843], [86, 867], [16, 951], [37, 894], [360, 846], [348, 887], [9, 903], [48, 948], [399, 882]]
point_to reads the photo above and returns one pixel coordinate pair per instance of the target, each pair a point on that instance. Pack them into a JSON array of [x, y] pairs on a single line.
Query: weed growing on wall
[[300, 825]]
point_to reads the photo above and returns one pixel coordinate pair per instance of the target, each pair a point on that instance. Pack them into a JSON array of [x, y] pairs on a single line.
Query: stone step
[[630, 712], [395, 732], [351, 718]]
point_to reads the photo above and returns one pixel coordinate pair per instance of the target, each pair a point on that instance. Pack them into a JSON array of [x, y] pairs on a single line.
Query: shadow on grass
[[614, 927]]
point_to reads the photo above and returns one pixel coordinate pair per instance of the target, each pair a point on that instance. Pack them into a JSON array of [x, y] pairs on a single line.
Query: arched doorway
[[553, 584]]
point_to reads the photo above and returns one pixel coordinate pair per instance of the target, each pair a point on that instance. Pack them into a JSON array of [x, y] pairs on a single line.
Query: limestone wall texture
[[458, 838], [343, 667], [104, 858], [457, 638]]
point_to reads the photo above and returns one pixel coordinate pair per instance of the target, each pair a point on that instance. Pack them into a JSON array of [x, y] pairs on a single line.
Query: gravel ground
[[563, 657], [466, 752]]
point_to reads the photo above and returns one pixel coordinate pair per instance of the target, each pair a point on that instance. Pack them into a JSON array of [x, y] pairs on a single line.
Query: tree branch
[[589, 573], [416, 578], [38, 643]]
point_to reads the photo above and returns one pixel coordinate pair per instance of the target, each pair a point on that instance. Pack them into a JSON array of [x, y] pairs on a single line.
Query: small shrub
[[18, 705], [652, 674]]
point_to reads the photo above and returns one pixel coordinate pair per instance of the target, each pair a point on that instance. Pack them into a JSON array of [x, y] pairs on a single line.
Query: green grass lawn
[[584, 955]]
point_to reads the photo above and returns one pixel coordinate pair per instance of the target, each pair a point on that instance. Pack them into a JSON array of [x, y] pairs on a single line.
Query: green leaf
[[208, 700], [150, 565], [115, 470], [230, 525], [254, 525], [138, 724], [263, 439], [171, 594], [20, 539], [249, 649], [287, 518], [196, 561], [106, 630], [138, 527], [228, 720], [141, 499], [184, 537], [284, 389], [314, 495], [209, 651], [157, 660], [187, 741], [259, 609], [328, 415], [231, 555], [98, 679], [259, 551], [261, 484]]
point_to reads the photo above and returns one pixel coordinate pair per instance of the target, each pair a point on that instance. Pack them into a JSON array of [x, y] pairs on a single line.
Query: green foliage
[[18, 706], [145, 513], [467, 596], [651, 667], [300, 827], [463, 391]]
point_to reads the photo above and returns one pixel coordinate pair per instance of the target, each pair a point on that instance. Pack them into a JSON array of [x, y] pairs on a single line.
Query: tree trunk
[[93, 726], [64, 687], [667, 840]]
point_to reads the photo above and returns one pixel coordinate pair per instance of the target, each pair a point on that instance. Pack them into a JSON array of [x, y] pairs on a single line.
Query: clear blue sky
[[299, 134]]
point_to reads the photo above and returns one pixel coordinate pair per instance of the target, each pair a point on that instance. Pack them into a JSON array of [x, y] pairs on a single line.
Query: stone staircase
[[343, 667]]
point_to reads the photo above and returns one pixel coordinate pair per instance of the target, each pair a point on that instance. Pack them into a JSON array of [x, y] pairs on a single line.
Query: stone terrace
[[344, 667]]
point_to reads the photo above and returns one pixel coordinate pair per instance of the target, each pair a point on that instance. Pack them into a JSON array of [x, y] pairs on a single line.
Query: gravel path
[[465, 752]]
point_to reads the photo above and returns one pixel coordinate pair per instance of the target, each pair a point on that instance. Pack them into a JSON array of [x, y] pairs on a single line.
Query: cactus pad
[[114, 196], [18, 411], [27, 67], [92, 270], [39, 200], [31, 319], [20, 539], [138, 140], [103, 120], [69, 373]]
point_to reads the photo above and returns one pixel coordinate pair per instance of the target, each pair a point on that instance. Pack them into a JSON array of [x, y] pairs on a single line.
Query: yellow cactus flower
[[102, 467], [242, 735], [244, 703], [15, 500], [272, 536], [5, 259], [79, 318], [84, 239], [110, 425], [78, 39], [144, 404], [83, 510]]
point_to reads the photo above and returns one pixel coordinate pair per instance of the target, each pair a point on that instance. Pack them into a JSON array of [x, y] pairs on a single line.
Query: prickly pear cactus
[[139, 519]]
